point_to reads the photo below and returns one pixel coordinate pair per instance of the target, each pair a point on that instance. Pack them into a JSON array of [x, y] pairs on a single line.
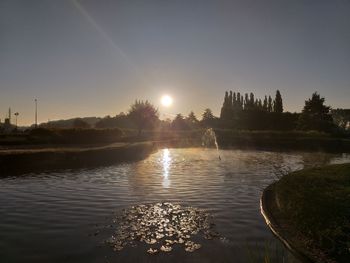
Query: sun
[[166, 100]]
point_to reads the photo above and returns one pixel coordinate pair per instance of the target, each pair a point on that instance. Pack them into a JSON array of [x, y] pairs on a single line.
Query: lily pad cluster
[[161, 226]]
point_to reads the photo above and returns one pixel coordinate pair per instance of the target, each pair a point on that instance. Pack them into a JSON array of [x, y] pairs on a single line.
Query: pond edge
[[266, 203]]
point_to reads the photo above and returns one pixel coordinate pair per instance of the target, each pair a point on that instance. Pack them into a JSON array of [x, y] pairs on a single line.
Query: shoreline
[[308, 207], [21, 161], [310, 141], [268, 200]]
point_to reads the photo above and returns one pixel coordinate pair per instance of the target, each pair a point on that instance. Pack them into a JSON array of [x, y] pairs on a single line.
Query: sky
[[95, 57]]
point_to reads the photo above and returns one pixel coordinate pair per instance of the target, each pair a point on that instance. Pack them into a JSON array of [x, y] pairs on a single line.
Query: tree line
[[235, 102], [248, 112], [143, 115], [239, 111]]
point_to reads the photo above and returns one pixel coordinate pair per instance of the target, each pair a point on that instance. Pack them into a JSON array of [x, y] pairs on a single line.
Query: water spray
[[209, 138]]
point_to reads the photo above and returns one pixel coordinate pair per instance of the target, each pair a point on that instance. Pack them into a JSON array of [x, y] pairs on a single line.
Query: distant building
[[7, 127]]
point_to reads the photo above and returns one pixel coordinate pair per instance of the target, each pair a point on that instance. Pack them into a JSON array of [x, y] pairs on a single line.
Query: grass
[[272, 252], [238, 139], [283, 140], [75, 136], [316, 202], [62, 136]]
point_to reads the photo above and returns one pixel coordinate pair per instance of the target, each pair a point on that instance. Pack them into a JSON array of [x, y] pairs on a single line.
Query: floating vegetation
[[161, 226]]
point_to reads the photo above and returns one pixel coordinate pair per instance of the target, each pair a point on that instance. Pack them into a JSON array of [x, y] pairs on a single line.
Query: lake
[[67, 215]]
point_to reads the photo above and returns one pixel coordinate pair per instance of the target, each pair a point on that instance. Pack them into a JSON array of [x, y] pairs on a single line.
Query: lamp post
[[16, 114], [36, 113]]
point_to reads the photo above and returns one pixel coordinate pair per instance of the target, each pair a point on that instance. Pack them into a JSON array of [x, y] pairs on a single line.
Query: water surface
[[60, 216]]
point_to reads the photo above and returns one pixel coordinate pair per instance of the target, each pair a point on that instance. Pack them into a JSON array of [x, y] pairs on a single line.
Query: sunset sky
[[94, 58]]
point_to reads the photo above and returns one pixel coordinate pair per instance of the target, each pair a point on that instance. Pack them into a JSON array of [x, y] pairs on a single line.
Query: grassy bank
[[62, 136], [16, 161], [311, 209], [279, 140], [238, 139], [283, 140]]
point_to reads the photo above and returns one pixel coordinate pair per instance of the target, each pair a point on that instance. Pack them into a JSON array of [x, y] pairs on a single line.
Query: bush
[[41, 132], [76, 136]]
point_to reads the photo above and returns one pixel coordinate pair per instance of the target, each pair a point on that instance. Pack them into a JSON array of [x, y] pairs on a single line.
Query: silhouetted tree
[[251, 101], [240, 101], [230, 99], [265, 107], [226, 108], [208, 118], [269, 105], [315, 115], [278, 104], [246, 101], [207, 114], [179, 123], [253, 113], [143, 114], [192, 120], [341, 118], [165, 124]]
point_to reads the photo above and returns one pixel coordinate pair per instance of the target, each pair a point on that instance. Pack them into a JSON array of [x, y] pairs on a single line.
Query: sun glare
[[166, 100]]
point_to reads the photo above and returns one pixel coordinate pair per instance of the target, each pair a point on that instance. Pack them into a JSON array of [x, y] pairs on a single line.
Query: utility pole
[[36, 113]]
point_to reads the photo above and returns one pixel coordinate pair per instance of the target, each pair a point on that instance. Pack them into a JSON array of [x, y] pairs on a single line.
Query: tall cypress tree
[[278, 104], [265, 104], [246, 101], [224, 114], [230, 100], [234, 102], [239, 101], [269, 105], [251, 100]]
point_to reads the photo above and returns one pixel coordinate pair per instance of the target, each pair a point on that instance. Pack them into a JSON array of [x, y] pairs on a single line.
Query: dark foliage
[[119, 121], [278, 104], [144, 115], [262, 120], [192, 120], [208, 119], [341, 118], [315, 115], [74, 136], [252, 113], [68, 124], [179, 123], [41, 132], [80, 124], [279, 139]]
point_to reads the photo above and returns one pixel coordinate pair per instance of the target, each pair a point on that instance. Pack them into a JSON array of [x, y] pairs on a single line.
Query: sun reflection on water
[[166, 161]]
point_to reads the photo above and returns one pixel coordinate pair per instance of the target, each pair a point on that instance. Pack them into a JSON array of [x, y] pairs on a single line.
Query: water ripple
[[47, 217]]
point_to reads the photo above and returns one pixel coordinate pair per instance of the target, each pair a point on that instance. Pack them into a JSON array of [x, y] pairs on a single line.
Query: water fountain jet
[[209, 139]]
